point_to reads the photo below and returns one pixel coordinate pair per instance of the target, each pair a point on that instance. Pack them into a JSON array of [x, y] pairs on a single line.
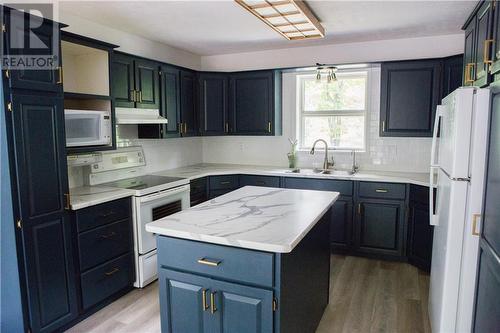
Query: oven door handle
[[165, 193]]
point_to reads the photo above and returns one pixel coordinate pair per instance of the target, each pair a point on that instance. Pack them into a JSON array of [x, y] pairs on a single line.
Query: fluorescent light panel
[[290, 18]]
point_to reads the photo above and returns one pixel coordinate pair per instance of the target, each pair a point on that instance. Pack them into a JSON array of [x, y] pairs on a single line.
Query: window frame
[[302, 114]]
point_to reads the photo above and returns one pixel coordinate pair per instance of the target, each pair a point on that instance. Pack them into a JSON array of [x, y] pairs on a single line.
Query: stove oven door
[[153, 207]]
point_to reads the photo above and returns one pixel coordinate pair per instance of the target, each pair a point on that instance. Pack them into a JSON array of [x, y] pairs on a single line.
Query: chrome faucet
[[354, 167], [326, 163]]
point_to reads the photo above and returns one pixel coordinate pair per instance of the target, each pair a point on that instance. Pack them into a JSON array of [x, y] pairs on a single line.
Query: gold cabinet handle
[[208, 262], [180, 128], [359, 209], [185, 128], [269, 127], [140, 96], [67, 198], [226, 128], [113, 271], [468, 73], [383, 125], [204, 306], [60, 72], [132, 95], [381, 190], [225, 182], [213, 308], [475, 217], [486, 51]]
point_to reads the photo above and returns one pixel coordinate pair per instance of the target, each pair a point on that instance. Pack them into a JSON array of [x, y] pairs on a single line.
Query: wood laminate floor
[[366, 295]]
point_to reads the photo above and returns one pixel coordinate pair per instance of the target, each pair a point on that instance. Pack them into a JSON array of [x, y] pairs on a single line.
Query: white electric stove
[[154, 197]]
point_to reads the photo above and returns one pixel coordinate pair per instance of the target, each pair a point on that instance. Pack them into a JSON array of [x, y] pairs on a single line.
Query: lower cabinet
[[420, 232], [253, 180], [380, 227], [341, 224], [192, 303], [198, 191]]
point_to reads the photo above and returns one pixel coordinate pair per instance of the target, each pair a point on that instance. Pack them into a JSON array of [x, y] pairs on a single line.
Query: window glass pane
[[338, 131], [347, 93]]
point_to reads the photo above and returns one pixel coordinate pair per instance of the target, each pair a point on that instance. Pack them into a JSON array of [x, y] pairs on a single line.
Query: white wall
[[130, 43], [373, 51], [387, 154]]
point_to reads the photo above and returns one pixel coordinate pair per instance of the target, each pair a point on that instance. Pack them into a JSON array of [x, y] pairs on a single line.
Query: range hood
[[138, 116]]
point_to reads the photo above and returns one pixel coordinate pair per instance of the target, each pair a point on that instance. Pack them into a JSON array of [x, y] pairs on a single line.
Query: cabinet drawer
[[223, 182], [95, 216], [382, 190], [268, 181], [216, 260], [342, 186], [198, 185], [103, 281], [103, 243]]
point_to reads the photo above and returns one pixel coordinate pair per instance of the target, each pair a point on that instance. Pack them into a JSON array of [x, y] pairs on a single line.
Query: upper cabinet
[[255, 103], [213, 103], [188, 91], [135, 82], [410, 92], [481, 47], [452, 74]]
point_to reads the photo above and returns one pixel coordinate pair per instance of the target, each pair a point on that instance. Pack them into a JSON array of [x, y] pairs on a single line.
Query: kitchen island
[[253, 260]]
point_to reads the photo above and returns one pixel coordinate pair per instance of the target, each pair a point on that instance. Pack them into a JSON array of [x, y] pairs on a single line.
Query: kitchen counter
[[203, 170], [257, 218], [85, 196]]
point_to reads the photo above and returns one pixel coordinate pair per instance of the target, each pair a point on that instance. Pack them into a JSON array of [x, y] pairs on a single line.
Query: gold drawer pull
[[205, 261], [113, 271], [486, 51], [212, 302], [381, 190], [468, 73], [204, 306], [226, 182], [111, 234], [60, 77]]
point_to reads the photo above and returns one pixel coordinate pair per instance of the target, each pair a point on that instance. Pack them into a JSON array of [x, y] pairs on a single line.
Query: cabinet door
[[483, 43], [341, 223], [147, 83], [122, 79], [182, 307], [213, 104], [379, 227], [170, 100], [452, 74], [17, 42], [410, 92], [495, 53], [470, 53], [188, 104], [252, 103], [420, 236], [242, 309], [41, 170]]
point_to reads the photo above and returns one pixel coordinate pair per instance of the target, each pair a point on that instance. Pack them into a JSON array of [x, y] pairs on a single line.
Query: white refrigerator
[[457, 173]]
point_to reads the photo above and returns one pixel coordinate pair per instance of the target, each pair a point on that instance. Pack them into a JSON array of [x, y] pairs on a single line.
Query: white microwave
[[87, 127]]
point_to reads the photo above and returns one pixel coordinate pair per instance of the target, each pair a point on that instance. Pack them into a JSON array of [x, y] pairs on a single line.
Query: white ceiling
[[221, 27]]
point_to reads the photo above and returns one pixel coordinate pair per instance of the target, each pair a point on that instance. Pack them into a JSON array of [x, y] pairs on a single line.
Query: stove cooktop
[[145, 182]]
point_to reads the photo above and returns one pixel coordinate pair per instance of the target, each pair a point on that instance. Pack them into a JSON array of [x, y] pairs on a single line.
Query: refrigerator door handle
[[433, 218], [439, 114]]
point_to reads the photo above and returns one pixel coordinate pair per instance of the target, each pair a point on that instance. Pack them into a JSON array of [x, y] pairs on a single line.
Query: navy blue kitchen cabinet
[[254, 180], [483, 40], [469, 66], [495, 52], [255, 103], [188, 89], [104, 243], [36, 132], [409, 94], [341, 222], [219, 185], [380, 227], [122, 78], [198, 191], [40, 80], [420, 232], [135, 82], [170, 107], [213, 99], [487, 306], [452, 74]]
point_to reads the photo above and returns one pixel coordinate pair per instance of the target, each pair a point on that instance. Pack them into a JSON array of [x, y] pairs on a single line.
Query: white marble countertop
[[85, 196], [203, 170], [258, 218]]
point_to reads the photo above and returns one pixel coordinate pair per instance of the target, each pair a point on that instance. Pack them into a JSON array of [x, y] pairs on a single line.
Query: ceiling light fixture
[[290, 18], [329, 71]]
